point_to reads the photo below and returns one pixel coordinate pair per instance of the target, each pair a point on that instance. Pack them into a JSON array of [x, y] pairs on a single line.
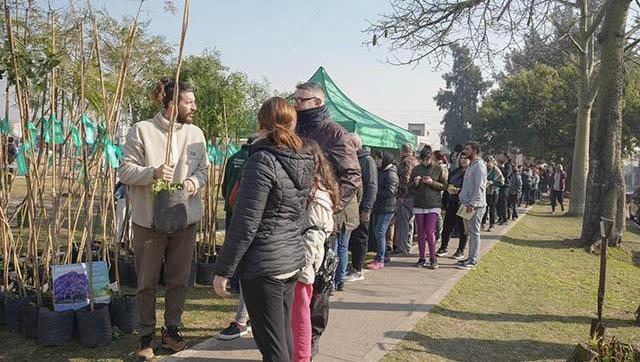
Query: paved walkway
[[369, 317]]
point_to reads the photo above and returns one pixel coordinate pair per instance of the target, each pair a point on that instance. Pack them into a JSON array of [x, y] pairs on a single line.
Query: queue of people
[[299, 197]]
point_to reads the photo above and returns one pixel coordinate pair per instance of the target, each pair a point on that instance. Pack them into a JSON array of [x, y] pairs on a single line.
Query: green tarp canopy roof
[[373, 130]]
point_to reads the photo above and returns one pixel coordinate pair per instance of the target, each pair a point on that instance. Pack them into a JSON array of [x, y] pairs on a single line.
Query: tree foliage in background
[[415, 30], [151, 59], [532, 111], [464, 88], [219, 92]]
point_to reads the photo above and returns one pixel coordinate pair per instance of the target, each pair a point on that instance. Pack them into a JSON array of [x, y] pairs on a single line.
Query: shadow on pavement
[[526, 318], [545, 244], [398, 307], [471, 349]]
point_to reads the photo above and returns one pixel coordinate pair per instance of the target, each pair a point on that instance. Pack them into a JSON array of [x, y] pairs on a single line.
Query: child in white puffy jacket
[[324, 195]]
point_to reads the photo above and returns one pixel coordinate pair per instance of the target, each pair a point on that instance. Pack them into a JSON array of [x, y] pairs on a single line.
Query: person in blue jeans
[[385, 205], [472, 196], [341, 248]]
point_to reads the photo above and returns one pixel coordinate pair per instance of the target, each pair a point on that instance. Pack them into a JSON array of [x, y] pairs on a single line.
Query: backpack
[[327, 271]]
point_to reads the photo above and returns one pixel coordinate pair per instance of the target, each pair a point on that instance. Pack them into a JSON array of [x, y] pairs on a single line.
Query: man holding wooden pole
[[145, 165]]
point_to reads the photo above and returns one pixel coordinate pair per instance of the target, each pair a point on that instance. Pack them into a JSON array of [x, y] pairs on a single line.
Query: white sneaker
[[354, 276]]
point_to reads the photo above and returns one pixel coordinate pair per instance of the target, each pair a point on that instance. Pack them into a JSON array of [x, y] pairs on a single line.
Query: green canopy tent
[[374, 131]]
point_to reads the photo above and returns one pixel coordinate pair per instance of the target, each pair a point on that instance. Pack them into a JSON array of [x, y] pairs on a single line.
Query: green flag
[[33, 131], [21, 159], [75, 135], [89, 131], [46, 130], [211, 152], [58, 132], [5, 127], [112, 153]]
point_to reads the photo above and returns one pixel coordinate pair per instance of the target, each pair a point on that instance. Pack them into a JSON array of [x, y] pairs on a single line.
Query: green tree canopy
[[464, 88]]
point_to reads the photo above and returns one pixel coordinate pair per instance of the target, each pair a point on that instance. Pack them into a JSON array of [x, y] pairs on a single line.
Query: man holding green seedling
[[147, 174]]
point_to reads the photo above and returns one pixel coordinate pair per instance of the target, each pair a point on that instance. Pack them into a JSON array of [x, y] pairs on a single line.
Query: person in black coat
[[264, 241], [385, 205], [451, 218], [360, 236]]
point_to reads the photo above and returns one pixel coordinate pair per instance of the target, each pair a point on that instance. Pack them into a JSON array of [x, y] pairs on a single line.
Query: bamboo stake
[[176, 89], [23, 109]]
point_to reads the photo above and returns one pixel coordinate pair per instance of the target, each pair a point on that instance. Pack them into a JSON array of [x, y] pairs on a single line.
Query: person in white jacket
[[325, 195]]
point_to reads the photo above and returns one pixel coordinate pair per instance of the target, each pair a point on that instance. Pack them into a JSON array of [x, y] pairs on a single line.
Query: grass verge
[[531, 298]]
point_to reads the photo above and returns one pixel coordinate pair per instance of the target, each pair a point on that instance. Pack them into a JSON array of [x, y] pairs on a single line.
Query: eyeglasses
[[299, 100]]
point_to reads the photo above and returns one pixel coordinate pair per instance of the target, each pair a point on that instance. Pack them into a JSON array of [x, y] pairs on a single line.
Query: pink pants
[[301, 322], [427, 230]]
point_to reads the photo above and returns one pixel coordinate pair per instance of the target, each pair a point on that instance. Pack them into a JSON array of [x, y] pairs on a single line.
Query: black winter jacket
[[456, 178], [334, 142], [388, 182], [264, 238], [369, 179]]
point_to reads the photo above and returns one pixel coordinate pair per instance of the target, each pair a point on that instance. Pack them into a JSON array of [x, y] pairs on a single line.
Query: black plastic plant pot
[[124, 313], [193, 274], [128, 274], [55, 328], [94, 326], [170, 210], [30, 316], [13, 305], [206, 273], [2, 294]]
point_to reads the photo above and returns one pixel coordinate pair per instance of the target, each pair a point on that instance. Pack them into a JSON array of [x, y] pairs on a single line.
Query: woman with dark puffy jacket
[[264, 242], [385, 205]]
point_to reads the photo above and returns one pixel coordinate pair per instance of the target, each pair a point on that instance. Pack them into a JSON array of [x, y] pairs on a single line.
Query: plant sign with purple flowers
[[71, 285]]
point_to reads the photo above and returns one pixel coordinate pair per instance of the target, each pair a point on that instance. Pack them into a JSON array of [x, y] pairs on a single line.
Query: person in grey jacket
[[359, 241], [472, 196]]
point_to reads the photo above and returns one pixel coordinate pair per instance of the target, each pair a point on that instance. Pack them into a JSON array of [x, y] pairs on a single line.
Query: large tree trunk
[[580, 162], [605, 181]]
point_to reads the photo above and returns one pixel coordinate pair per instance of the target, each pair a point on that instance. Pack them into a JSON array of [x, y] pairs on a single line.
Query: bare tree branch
[[597, 20]]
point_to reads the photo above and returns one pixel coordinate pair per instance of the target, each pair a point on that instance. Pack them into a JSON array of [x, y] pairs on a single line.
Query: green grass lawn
[[531, 298], [204, 316]]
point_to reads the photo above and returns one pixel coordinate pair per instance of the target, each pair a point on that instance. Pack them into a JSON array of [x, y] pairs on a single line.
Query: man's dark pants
[[359, 244], [151, 249]]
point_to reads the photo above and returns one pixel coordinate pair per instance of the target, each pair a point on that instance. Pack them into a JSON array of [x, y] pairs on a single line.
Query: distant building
[[418, 129], [423, 136]]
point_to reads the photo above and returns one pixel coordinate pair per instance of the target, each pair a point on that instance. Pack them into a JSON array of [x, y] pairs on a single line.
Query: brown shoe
[[172, 339], [145, 352]]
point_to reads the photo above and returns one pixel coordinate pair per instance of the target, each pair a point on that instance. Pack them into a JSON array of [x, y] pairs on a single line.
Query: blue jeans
[[341, 248], [381, 223], [472, 227]]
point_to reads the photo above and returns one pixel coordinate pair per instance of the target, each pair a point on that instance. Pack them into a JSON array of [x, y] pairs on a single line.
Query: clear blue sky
[[285, 41]]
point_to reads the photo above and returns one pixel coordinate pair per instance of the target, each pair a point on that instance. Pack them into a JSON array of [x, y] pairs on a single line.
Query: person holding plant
[[429, 181], [264, 242], [144, 169]]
